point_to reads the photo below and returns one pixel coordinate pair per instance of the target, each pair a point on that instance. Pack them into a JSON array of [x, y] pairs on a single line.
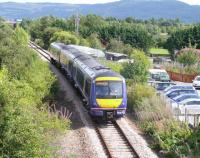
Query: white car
[[187, 102], [196, 82], [180, 98], [187, 109]]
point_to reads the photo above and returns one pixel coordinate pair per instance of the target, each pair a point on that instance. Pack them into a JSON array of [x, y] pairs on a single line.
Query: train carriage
[[102, 89]]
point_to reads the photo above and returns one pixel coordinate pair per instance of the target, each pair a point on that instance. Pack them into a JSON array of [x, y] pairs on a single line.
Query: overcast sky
[[193, 2]]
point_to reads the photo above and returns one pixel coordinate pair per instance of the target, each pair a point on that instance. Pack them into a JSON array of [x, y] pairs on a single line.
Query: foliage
[[119, 47], [138, 69], [27, 128], [184, 38], [94, 41], [115, 66], [135, 33], [20, 36], [136, 93], [153, 116], [65, 37], [188, 58]]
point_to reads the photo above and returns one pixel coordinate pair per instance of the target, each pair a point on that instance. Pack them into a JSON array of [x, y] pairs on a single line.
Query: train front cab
[[109, 99]]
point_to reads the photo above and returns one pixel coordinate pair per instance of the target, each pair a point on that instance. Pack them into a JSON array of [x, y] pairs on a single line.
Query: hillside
[[141, 9]]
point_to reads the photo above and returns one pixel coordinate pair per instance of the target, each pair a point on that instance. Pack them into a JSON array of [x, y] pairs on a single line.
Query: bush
[[188, 58], [27, 128], [94, 41], [119, 47], [138, 69], [65, 37], [138, 92], [155, 119]]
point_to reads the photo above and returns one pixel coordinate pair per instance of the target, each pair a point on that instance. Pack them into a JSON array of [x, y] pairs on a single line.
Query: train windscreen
[[108, 89]]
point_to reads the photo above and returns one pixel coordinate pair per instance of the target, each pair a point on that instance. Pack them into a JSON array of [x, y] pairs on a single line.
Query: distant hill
[[141, 9]]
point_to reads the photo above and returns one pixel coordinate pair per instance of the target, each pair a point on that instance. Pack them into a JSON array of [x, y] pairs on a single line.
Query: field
[[159, 51]]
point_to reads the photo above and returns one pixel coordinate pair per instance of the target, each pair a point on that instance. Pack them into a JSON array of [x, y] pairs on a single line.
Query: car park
[[196, 82]]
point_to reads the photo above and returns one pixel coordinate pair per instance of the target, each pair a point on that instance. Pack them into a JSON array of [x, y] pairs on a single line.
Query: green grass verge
[[159, 51]]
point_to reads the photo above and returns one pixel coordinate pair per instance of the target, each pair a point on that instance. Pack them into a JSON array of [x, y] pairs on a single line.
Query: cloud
[[191, 2]]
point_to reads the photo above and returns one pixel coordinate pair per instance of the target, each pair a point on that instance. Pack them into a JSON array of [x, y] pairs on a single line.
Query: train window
[[109, 90], [87, 87], [80, 78]]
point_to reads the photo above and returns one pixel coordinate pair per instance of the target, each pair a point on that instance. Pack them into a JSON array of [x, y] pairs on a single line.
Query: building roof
[[116, 54]]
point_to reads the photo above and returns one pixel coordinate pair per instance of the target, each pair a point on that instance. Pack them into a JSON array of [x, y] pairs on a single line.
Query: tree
[[65, 37], [20, 36], [138, 69], [188, 58], [94, 41], [119, 47]]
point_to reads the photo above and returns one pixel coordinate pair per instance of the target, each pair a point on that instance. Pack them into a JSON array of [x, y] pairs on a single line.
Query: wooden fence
[[181, 77]]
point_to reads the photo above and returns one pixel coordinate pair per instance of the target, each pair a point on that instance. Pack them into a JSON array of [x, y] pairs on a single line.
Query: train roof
[[86, 50], [92, 67]]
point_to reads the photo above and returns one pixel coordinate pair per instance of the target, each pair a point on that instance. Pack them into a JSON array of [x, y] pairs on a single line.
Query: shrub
[[156, 120], [27, 128], [84, 42], [94, 41], [119, 47], [136, 93], [20, 36], [65, 37], [138, 69], [188, 58]]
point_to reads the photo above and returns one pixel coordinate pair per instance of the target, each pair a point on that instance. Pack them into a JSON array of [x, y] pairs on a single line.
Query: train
[[103, 90]]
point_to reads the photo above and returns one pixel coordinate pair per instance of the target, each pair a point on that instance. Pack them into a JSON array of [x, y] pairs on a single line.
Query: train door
[[70, 68]]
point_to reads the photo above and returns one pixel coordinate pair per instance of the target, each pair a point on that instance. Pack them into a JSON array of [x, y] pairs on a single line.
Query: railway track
[[40, 50], [113, 139]]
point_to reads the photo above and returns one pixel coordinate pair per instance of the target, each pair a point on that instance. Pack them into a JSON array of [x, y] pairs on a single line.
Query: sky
[[192, 2], [62, 1]]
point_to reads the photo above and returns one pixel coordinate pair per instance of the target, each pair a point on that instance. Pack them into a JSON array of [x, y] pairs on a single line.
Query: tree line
[[98, 32]]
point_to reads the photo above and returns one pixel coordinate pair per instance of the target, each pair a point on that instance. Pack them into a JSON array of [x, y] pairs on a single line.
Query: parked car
[[183, 97], [161, 86], [196, 82], [187, 109], [176, 92], [183, 87], [159, 75], [175, 101]]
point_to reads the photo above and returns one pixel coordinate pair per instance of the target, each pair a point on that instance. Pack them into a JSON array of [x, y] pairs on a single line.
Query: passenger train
[[103, 90]]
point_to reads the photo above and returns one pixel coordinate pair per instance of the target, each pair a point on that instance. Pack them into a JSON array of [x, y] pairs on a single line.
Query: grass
[[159, 51]]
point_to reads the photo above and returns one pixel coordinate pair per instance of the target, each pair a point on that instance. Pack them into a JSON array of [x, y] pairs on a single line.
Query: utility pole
[[77, 23]]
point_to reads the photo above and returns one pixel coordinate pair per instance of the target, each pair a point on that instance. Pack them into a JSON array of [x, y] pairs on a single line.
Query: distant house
[[14, 22], [115, 56]]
